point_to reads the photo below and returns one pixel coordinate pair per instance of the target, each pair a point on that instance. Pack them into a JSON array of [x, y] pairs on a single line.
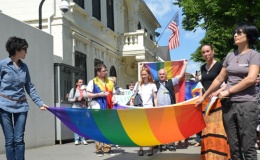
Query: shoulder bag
[[138, 99]]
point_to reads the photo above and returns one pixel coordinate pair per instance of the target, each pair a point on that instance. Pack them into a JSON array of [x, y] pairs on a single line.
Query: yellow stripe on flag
[[134, 122]]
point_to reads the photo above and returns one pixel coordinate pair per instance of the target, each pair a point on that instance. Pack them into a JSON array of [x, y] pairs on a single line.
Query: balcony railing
[[138, 42]]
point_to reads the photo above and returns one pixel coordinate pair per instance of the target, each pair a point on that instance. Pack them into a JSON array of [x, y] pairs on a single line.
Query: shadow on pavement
[[122, 155]]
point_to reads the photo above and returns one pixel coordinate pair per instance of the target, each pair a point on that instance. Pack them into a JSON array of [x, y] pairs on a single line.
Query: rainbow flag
[[173, 68], [196, 88], [210, 104], [188, 88], [135, 126]]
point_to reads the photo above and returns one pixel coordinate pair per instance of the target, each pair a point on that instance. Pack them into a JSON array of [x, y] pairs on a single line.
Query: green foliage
[[218, 18]]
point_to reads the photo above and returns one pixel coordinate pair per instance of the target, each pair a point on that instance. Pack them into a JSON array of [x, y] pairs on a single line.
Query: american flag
[[175, 37]]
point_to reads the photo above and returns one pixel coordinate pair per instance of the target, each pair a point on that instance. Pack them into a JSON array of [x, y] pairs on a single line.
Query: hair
[[211, 47], [75, 85], [76, 81], [99, 67], [14, 44], [150, 78], [250, 30]]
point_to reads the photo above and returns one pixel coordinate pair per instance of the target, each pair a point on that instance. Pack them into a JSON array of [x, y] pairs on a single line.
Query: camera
[[64, 6]]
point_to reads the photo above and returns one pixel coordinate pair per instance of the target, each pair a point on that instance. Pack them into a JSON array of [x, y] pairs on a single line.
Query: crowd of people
[[231, 131]]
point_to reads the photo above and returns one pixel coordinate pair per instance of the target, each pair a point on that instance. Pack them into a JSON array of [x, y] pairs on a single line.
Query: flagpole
[[155, 47]]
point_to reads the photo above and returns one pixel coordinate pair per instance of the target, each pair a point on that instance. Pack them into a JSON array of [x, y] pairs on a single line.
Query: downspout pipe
[[40, 14]]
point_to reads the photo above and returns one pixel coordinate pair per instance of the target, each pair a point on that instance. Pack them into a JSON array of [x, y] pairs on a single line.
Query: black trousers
[[240, 121]]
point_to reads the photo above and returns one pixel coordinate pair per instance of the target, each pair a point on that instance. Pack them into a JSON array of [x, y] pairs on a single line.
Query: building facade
[[118, 33]]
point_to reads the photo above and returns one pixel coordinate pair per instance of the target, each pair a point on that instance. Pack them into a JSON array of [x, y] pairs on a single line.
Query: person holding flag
[[240, 113], [214, 143], [166, 94], [100, 90]]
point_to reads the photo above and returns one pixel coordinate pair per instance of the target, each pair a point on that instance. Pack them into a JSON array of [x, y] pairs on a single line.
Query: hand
[[44, 107], [80, 98], [223, 94], [199, 101], [213, 94], [103, 94], [131, 103]]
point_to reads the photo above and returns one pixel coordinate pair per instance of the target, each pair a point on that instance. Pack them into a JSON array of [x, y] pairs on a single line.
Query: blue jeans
[[13, 125], [76, 137], [198, 137]]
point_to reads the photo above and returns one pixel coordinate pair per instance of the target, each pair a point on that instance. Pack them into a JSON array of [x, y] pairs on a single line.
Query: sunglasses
[[239, 33]]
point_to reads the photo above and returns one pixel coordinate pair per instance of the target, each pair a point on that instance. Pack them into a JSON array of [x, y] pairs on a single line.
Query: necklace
[[208, 68], [240, 55]]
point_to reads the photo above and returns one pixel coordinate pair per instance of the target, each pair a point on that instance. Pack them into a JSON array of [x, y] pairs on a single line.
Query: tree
[[218, 18]]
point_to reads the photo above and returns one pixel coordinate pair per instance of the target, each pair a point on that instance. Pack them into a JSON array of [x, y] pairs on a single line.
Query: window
[[110, 14], [139, 26], [80, 62], [80, 3], [64, 80], [96, 9], [151, 37]]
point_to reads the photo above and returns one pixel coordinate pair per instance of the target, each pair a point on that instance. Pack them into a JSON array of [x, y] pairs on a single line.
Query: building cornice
[[146, 13]]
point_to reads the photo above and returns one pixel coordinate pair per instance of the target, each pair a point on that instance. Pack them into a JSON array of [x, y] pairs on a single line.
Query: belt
[[12, 99]]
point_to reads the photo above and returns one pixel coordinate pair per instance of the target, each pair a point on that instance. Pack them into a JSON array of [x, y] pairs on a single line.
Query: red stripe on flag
[[174, 39]]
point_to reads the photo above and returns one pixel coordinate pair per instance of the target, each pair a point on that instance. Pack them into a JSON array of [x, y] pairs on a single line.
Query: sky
[[164, 11]]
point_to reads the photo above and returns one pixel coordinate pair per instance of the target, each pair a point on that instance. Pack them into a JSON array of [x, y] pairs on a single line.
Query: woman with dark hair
[[78, 96], [214, 144], [15, 80], [239, 103], [148, 91]]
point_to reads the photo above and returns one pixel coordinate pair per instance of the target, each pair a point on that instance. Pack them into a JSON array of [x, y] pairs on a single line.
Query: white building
[[118, 33]]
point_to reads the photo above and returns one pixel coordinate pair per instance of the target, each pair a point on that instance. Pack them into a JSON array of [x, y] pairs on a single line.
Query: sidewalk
[[69, 151]]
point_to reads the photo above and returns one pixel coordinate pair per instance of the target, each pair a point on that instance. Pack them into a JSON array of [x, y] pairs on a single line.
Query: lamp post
[[40, 14]]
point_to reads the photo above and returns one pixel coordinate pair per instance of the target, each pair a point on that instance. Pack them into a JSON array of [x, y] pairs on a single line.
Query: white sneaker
[[76, 143], [117, 146], [85, 142]]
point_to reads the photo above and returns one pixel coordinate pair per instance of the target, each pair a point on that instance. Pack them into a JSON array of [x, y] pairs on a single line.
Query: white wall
[[40, 124]]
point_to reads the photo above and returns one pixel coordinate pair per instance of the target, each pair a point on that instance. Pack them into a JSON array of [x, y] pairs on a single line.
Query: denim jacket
[[13, 83]]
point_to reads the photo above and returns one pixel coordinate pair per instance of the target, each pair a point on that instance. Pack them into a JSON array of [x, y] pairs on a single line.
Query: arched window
[[112, 72]]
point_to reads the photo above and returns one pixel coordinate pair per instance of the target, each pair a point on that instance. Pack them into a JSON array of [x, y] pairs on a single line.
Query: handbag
[[138, 100]]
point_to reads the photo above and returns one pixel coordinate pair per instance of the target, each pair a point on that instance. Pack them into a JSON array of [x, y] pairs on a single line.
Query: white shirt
[[146, 91]]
